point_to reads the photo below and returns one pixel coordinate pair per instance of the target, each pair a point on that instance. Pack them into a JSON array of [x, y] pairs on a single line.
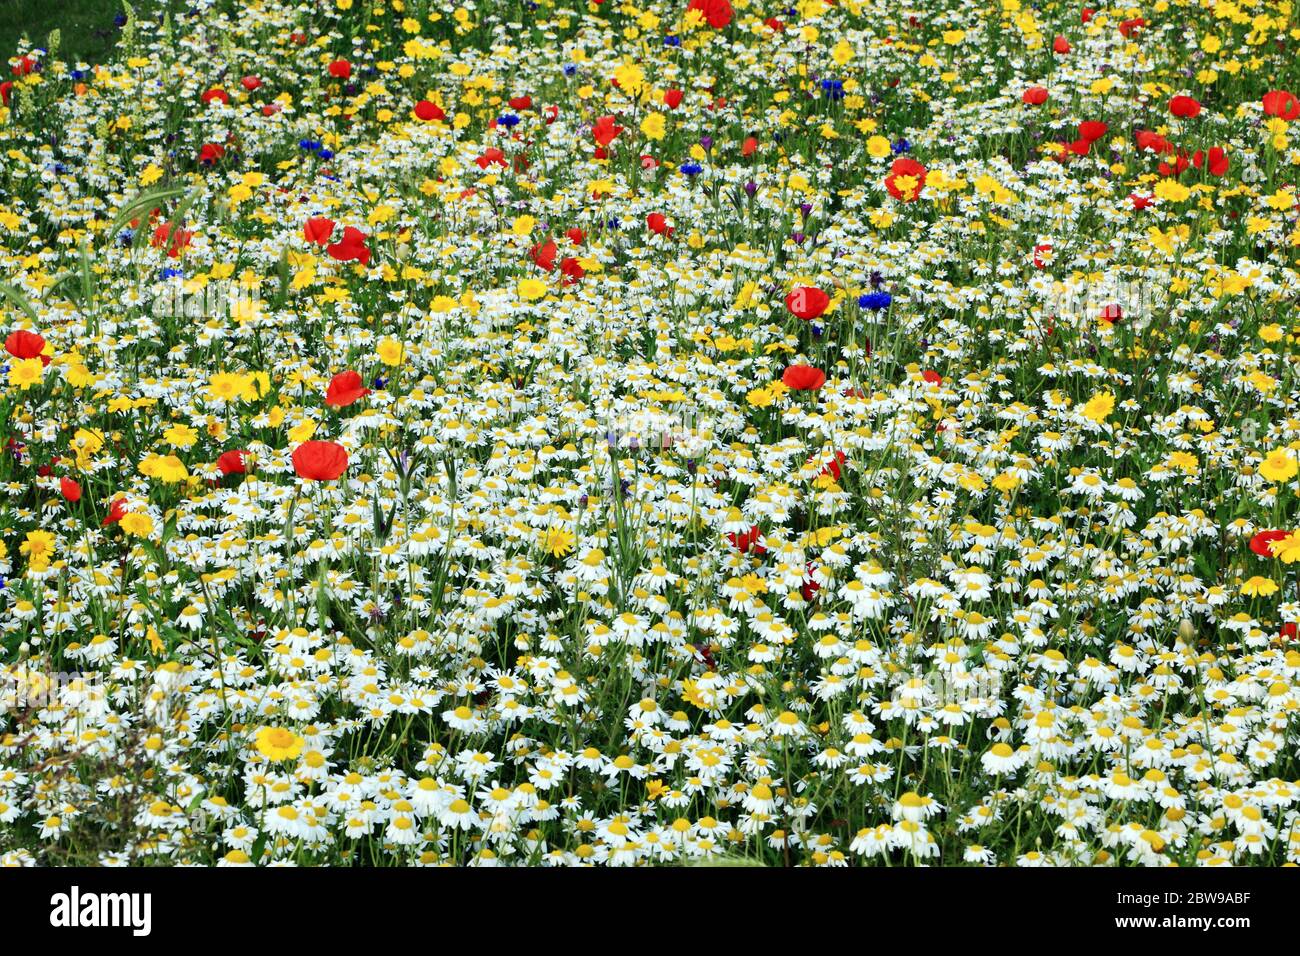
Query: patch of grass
[[86, 27]]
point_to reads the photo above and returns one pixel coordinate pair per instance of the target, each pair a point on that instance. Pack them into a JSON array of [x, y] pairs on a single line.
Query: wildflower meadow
[[793, 433]]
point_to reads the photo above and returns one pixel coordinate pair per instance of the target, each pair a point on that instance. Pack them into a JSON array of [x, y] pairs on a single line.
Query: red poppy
[[807, 302], [340, 69], [604, 130], [1184, 107], [1041, 252], [543, 255], [320, 460], [345, 388], [216, 93], [1086, 14], [910, 169], [1061, 45], [1141, 202], [23, 66], [429, 111], [803, 378], [832, 467], [657, 224], [492, 155], [1282, 104], [1153, 141], [351, 248], [1261, 543], [210, 153], [6, 88], [318, 229], [931, 376], [576, 236], [233, 462], [24, 345], [1129, 27], [1092, 130], [1175, 168], [70, 489], [1111, 313], [116, 511], [572, 270], [746, 542], [810, 586], [749, 146], [717, 13], [177, 240], [250, 83], [672, 98], [1035, 95], [520, 103], [1216, 160]]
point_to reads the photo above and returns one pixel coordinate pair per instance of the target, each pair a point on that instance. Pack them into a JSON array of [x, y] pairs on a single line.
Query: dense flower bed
[[536, 433]]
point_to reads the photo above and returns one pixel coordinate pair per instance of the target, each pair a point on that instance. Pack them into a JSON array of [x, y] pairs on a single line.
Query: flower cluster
[[819, 434]]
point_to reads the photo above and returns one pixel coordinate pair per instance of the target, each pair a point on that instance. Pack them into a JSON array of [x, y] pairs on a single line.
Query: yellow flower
[[390, 352], [1287, 550], [523, 225], [303, 431], [1006, 481], [136, 524], [1280, 465], [1171, 190], [558, 541], [39, 548], [531, 289], [1258, 587], [78, 375], [180, 435], [167, 468], [229, 385], [653, 126], [1099, 407], [24, 373], [278, 743]]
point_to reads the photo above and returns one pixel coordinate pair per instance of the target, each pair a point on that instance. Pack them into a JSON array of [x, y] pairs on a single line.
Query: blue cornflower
[[875, 300], [671, 40], [834, 89], [692, 169], [508, 120], [902, 146]]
